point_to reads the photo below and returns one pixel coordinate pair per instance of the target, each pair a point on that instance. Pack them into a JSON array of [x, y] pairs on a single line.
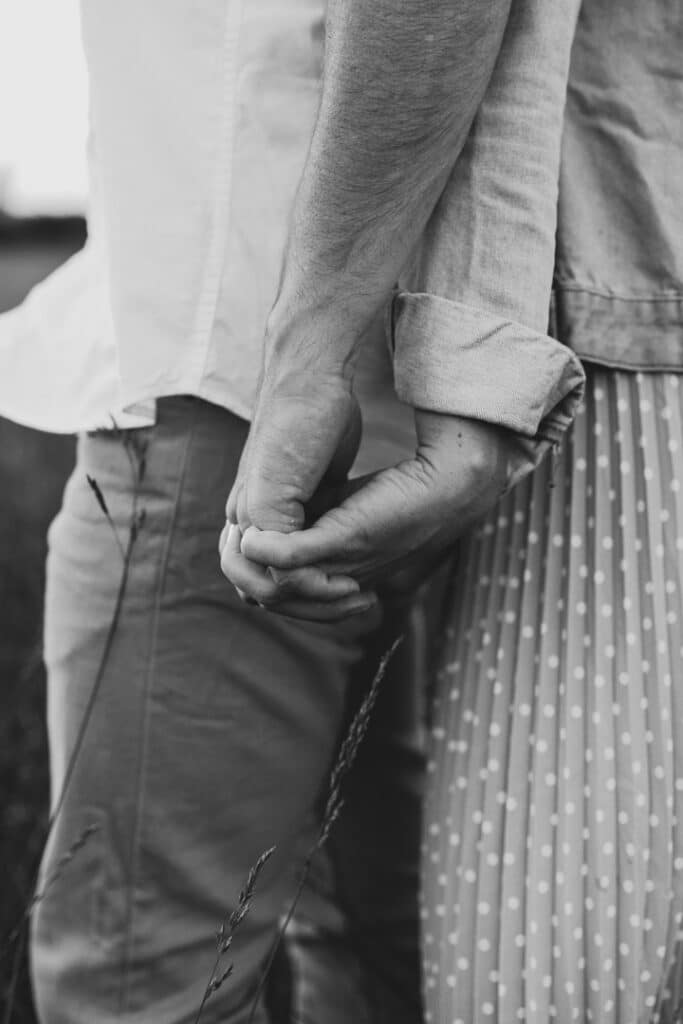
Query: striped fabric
[[553, 880]]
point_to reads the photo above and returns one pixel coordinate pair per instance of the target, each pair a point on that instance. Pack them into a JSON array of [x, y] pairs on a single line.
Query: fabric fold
[[452, 358]]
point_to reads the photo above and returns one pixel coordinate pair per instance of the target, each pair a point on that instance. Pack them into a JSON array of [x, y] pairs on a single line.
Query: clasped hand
[[303, 540]]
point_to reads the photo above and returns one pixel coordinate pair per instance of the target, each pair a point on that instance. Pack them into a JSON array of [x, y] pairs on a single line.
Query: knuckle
[[270, 508], [289, 582], [288, 567], [284, 588]]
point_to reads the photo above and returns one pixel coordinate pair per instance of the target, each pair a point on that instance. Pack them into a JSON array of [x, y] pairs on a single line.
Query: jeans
[[211, 739]]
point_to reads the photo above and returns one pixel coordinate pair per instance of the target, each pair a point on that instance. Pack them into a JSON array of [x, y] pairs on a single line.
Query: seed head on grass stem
[[346, 757], [99, 498], [226, 932], [19, 931], [40, 894]]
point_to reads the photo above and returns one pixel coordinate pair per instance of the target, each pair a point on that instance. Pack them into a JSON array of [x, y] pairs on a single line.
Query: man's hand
[[392, 530], [304, 437]]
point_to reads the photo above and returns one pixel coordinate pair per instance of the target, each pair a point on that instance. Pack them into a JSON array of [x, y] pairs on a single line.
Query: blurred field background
[[33, 469], [43, 129]]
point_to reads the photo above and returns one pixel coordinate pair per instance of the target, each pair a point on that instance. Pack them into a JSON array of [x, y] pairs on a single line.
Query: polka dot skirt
[[553, 850]]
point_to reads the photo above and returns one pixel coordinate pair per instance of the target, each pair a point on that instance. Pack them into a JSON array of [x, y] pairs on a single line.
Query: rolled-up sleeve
[[469, 321]]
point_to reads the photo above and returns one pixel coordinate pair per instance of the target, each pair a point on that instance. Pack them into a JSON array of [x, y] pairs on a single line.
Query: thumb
[[267, 502]]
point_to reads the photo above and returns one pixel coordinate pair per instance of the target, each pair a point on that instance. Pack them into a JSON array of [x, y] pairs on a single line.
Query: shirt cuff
[[453, 358]]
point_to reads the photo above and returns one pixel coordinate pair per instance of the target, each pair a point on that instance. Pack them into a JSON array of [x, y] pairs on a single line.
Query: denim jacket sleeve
[[470, 317]]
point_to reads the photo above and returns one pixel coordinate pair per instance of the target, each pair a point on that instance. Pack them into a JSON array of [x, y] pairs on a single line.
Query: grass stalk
[[39, 894], [346, 757], [226, 932]]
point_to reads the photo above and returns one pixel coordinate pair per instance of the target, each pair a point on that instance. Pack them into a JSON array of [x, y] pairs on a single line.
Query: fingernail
[[363, 606], [352, 587], [344, 586]]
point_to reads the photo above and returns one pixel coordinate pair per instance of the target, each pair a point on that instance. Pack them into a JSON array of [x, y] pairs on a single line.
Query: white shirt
[[201, 115]]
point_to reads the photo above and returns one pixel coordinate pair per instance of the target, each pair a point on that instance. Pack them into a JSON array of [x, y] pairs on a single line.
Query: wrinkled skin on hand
[[379, 534], [303, 440], [395, 526]]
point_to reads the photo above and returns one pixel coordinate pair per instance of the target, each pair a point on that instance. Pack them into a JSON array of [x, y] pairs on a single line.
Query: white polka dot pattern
[[553, 877]]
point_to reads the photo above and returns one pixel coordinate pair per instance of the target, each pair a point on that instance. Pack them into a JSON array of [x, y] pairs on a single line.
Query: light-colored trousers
[[211, 740]]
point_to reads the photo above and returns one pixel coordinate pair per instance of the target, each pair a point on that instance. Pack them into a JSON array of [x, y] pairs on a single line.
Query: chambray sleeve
[[469, 320]]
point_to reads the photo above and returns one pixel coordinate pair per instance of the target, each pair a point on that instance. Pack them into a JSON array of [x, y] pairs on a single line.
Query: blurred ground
[[33, 469]]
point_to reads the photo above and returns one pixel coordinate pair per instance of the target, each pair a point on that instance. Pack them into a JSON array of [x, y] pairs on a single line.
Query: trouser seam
[[128, 941]]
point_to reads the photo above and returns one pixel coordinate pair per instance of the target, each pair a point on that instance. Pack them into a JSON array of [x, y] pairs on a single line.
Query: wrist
[[311, 332]]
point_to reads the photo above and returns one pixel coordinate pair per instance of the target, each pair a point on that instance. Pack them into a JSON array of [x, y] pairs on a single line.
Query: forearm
[[401, 85]]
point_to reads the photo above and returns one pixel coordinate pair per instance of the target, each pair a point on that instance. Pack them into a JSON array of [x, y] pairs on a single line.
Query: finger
[[241, 516], [322, 542], [313, 584], [257, 583], [335, 611], [236, 505], [223, 538], [252, 580], [237, 485], [231, 504], [233, 568]]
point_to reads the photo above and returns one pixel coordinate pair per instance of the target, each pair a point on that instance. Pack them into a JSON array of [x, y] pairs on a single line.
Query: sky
[[43, 107]]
